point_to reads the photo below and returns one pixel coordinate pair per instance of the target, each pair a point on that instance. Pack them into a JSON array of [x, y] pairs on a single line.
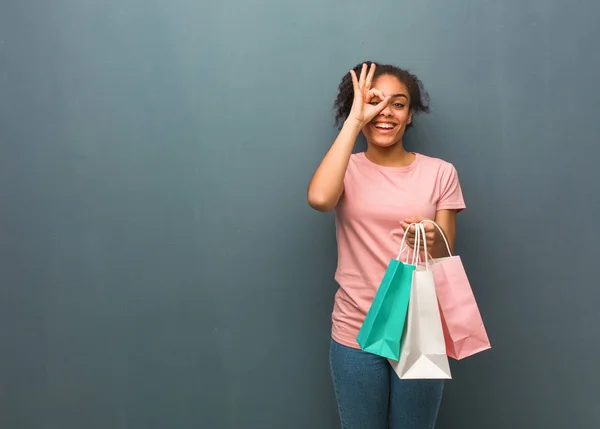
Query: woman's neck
[[392, 156]]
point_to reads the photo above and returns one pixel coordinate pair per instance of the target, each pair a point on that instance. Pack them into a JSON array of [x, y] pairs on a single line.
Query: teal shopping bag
[[383, 326]]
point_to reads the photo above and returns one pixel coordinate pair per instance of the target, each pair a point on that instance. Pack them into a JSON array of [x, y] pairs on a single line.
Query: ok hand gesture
[[363, 108]]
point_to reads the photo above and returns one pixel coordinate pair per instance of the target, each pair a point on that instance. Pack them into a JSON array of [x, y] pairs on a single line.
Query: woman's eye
[[373, 103], [399, 105]]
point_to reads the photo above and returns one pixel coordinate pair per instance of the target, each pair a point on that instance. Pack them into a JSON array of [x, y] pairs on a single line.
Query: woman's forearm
[[327, 183]]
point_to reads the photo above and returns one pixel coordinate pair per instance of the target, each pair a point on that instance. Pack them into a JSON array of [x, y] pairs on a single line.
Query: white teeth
[[387, 126]]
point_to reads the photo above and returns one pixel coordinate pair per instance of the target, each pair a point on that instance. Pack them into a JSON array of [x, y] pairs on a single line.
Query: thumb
[[381, 105]]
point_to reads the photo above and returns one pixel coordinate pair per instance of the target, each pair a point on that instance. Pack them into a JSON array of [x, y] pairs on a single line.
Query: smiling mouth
[[384, 126]]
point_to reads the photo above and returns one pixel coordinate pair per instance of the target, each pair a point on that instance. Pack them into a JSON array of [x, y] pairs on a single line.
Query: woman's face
[[387, 128]]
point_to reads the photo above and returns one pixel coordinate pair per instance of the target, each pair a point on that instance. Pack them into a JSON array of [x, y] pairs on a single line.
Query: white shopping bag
[[423, 347]]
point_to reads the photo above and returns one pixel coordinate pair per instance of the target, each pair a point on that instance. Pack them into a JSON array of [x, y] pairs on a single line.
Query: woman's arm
[[327, 184], [446, 219]]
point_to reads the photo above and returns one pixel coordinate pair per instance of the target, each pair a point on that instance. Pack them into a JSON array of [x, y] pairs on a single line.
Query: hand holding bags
[[382, 328], [463, 327], [421, 315], [423, 349]]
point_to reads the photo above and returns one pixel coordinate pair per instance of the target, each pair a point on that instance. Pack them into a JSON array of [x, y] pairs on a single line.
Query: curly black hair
[[419, 99]]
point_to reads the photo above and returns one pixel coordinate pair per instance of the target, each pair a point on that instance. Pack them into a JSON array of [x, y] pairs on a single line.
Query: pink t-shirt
[[368, 215]]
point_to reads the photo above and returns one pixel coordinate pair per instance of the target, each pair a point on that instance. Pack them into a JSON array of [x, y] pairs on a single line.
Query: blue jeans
[[371, 396]]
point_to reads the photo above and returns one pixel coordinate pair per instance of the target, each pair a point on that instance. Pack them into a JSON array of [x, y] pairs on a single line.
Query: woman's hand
[[437, 247], [432, 234], [363, 108]]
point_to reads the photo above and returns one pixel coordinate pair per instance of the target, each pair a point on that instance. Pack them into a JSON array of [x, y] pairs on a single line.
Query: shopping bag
[[383, 325], [463, 326], [423, 348]]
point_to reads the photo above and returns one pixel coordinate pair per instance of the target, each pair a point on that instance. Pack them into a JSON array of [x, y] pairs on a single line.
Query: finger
[[354, 80], [381, 105], [363, 73], [370, 76], [411, 244], [376, 93], [404, 225], [428, 227]]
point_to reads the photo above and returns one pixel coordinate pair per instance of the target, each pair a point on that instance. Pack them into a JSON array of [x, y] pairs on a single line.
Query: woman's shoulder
[[357, 156], [435, 163], [432, 159]]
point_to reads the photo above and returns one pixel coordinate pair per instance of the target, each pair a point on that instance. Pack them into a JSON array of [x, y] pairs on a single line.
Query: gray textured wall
[[159, 264]]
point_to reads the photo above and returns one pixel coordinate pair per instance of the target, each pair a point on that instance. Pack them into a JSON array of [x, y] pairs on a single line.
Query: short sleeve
[[451, 196]]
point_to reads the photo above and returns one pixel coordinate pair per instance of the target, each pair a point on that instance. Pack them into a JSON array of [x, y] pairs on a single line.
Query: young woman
[[376, 195]]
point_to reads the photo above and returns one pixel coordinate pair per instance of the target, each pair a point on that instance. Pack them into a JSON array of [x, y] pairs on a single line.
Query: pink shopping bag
[[464, 332]]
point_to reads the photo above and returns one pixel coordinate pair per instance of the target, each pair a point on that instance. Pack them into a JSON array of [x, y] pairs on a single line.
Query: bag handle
[[422, 232], [416, 250], [416, 253], [402, 248], [441, 232], [417, 244]]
